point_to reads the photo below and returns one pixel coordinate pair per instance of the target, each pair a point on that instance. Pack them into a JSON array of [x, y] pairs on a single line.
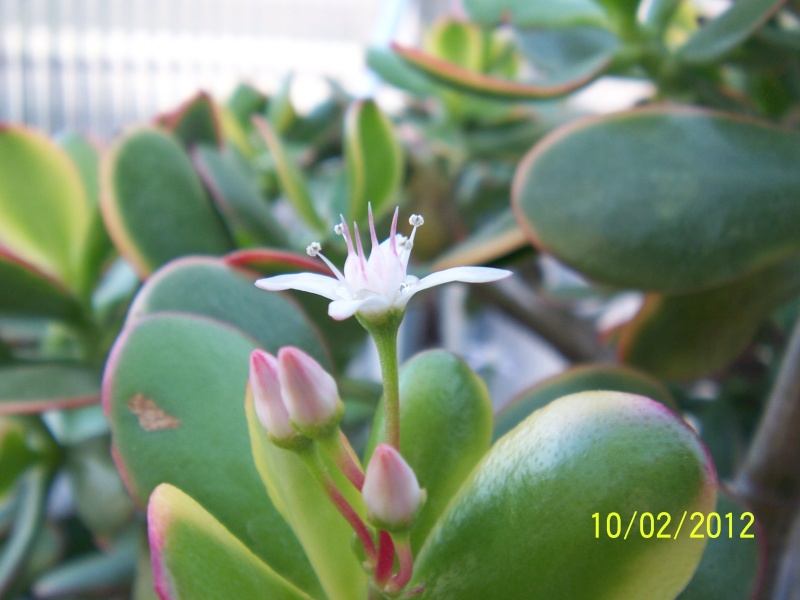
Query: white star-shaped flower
[[376, 285]]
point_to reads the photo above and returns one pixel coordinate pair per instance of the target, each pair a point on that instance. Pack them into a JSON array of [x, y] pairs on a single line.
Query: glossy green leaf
[[731, 567], [522, 527], [325, 535], [44, 211], [229, 296], [233, 184], [394, 70], [459, 78], [446, 427], [459, 42], [29, 292], [195, 556], [693, 335], [373, 158], [497, 238], [583, 378], [37, 387], [292, 182], [154, 204], [570, 57], [96, 574], [173, 392], [536, 13], [664, 199], [195, 122], [714, 40]]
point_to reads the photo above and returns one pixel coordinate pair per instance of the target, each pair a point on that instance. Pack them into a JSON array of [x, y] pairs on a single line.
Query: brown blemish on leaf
[[151, 417]]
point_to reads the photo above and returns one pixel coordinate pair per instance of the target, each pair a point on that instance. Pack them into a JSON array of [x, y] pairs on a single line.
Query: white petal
[[322, 285], [344, 309], [464, 274]]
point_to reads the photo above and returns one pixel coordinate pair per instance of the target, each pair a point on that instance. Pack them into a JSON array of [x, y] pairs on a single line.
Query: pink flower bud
[[391, 492], [310, 393], [270, 409]]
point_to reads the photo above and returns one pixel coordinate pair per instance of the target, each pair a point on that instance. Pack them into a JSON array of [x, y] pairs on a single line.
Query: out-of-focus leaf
[[76, 425], [291, 180], [97, 574], [584, 378], [373, 158], [232, 182], [446, 425], [174, 390], [665, 199], [731, 567], [228, 296], [394, 70], [195, 122], [274, 262], [714, 40], [522, 527], [245, 102], [659, 12], [326, 537], [536, 13], [34, 388], [566, 56], [497, 238], [692, 335], [29, 292], [195, 556], [154, 204], [280, 111], [15, 453], [44, 209]]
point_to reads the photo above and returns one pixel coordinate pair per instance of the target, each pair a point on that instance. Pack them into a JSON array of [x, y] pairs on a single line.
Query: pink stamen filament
[[383, 570], [393, 232]]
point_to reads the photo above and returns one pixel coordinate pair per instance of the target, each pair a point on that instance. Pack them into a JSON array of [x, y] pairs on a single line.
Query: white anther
[[416, 220], [338, 229], [313, 248]]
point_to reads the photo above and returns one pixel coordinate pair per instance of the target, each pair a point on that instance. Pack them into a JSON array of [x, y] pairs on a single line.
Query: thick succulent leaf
[[458, 42], [731, 568], [325, 535], [37, 387], [246, 101], [195, 122], [210, 288], [30, 292], [584, 378], [291, 180], [154, 204], [568, 56], [232, 183], [658, 13], [522, 527], [280, 110], [394, 70], [495, 239], [714, 40], [16, 454], [623, 12], [446, 427], [693, 335], [94, 575], [465, 80], [173, 390], [195, 556], [665, 199], [17, 546], [44, 211], [267, 261], [373, 159], [536, 13]]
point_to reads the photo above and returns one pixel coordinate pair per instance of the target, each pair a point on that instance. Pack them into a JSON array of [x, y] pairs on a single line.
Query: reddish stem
[[383, 571], [347, 461], [350, 515], [403, 575]]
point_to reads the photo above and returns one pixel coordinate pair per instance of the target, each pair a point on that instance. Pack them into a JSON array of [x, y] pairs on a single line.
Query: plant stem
[[384, 331], [383, 571], [769, 481], [345, 457], [402, 543]]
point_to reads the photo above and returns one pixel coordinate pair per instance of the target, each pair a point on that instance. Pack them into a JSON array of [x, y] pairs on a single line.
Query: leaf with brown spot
[[151, 417]]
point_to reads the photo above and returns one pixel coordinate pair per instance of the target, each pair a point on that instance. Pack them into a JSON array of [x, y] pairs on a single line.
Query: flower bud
[[265, 385], [310, 393], [391, 491]]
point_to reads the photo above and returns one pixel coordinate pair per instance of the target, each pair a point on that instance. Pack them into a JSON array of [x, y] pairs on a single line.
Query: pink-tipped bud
[[270, 409], [391, 491], [310, 393]]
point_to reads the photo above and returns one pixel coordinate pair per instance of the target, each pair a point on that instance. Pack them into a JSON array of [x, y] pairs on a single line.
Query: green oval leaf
[[35, 388], [373, 158], [394, 70], [446, 427], [522, 525], [536, 13], [173, 391], [663, 199], [693, 335], [583, 378], [195, 122], [29, 292], [154, 204], [44, 211], [714, 40], [195, 556]]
